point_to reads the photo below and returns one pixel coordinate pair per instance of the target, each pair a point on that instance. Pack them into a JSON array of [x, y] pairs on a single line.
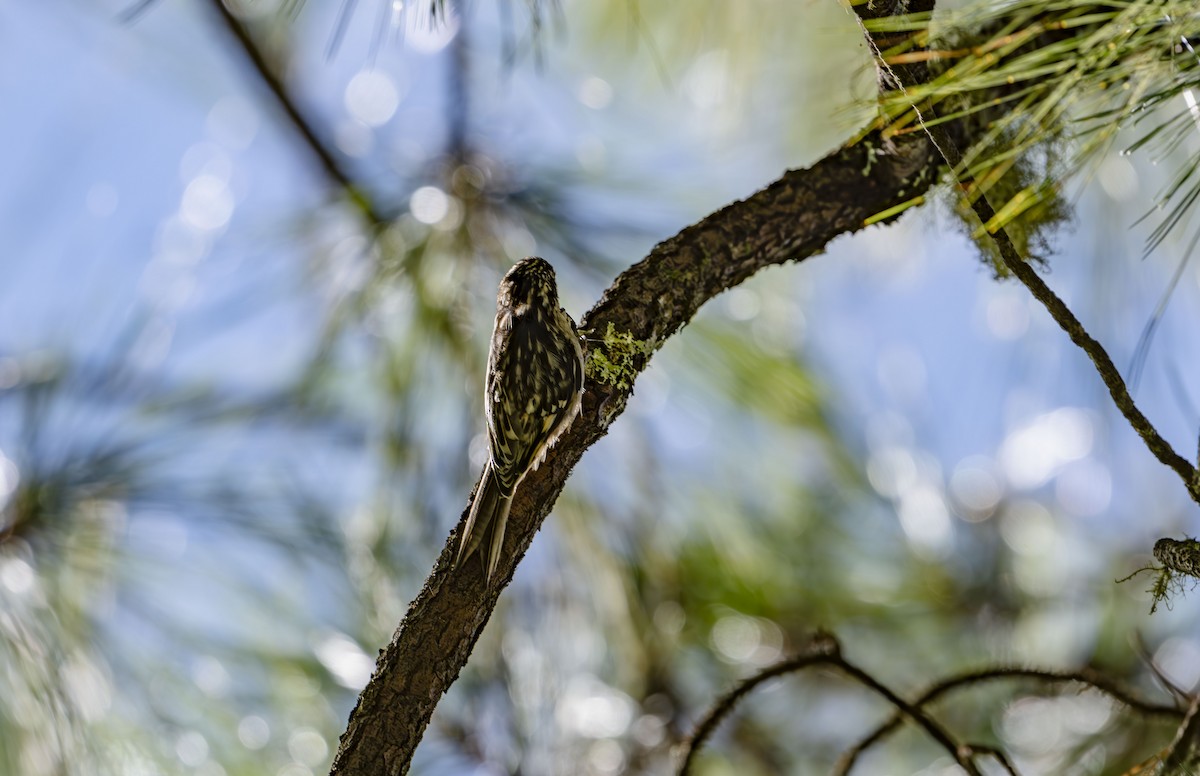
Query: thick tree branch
[[326, 157], [790, 220]]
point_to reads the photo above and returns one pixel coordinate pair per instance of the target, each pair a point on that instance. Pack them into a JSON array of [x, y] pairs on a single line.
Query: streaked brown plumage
[[532, 392]]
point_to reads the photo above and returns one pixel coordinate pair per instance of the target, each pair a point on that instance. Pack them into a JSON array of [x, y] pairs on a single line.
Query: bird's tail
[[486, 522]]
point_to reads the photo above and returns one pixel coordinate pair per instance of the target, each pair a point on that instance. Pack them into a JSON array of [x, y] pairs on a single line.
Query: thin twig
[[818, 654], [1062, 315], [1184, 753], [1139, 645], [1090, 678], [135, 11], [825, 651], [999, 756], [325, 156]]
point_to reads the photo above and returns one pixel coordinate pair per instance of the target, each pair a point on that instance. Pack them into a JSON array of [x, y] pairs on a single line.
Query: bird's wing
[[530, 389]]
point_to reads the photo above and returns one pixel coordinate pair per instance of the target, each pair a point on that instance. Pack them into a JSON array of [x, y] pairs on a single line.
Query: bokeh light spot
[[179, 244], [706, 83], [606, 756], [743, 304], [478, 450], [254, 732], [207, 203], [308, 747], [1028, 528], [429, 204], [591, 708], [735, 637], [1032, 725], [16, 575], [343, 658], [353, 139], [649, 730], [742, 639], [925, 519], [372, 98], [1087, 713], [1179, 660], [891, 471], [975, 488], [294, 769], [1033, 453], [10, 477], [595, 93], [191, 748], [211, 677], [453, 217], [205, 158], [88, 686]]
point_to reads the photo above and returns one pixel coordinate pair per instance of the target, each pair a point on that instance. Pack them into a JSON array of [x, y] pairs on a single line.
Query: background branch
[[326, 157], [970, 679], [1183, 756], [825, 651]]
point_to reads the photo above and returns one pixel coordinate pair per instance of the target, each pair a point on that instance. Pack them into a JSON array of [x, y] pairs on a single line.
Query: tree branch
[[1091, 678], [825, 651], [326, 157], [790, 220], [1183, 756]]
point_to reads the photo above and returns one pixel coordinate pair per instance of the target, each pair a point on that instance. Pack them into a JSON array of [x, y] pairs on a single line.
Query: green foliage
[[1033, 208], [1048, 87], [770, 382]]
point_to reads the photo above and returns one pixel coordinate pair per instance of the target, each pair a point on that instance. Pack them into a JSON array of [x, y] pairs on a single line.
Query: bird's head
[[530, 283]]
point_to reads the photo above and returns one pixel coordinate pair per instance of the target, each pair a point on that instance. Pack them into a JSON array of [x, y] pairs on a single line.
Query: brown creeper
[[531, 394]]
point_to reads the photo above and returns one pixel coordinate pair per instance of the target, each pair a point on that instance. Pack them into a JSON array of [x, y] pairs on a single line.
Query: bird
[[532, 392]]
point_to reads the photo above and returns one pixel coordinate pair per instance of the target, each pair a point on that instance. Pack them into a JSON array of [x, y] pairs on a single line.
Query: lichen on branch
[[617, 360]]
